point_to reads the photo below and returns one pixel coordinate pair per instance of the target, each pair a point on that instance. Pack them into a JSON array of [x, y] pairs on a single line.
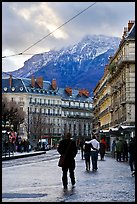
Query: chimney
[[85, 92], [54, 84], [10, 81], [33, 81], [68, 90], [39, 81], [80, 92], [125, 31], [130, 24]]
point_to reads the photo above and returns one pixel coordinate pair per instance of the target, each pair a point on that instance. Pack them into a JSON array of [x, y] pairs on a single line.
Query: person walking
[[125, 151], [81, 148], [69, 159], [102, 150], [119, 149], [95, 145], [132, 152], [87, 154], [113, 149]]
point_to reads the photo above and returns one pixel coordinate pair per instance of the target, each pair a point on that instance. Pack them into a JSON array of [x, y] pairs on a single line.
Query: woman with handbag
[[68, 148]]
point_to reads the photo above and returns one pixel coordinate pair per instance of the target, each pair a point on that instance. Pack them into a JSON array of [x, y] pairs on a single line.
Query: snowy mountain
[[78, 66]]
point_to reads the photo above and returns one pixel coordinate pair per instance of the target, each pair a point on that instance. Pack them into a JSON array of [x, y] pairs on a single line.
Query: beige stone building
[[114, 95]]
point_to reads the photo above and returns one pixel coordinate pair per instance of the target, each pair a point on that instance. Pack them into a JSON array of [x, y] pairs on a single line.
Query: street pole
[[28, 122]]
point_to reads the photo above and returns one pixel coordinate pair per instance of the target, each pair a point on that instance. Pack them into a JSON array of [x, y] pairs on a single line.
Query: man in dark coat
[[132, 153], [70, 146]]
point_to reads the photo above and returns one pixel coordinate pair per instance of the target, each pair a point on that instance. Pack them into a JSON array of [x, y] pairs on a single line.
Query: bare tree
[[12, 112], [37, 126]]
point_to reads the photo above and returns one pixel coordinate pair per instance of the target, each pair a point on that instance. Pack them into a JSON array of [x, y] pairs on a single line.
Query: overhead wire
[[22, 53]]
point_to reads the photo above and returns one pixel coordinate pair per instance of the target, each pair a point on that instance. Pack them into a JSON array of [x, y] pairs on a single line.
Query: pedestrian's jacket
[[87, 147], [119, 146], [103, 146], [71, 153], [132, 147], [87, 151], [95, 145]]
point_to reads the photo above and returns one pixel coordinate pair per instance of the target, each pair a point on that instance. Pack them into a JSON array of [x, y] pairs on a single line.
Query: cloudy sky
[[26, 23]]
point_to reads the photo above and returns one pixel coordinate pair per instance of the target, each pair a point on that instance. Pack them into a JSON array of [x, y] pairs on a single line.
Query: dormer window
[[21, 88], [5, 88], [13, 88]]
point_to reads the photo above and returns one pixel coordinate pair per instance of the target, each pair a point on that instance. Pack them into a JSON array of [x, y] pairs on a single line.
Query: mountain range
[[78, 66]]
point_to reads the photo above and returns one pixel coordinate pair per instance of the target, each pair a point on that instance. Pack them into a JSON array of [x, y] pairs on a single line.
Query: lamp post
[[28, 124]]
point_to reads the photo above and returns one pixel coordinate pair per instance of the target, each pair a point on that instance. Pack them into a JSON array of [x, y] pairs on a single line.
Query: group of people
[[123, 151], [90, 148], [93, 147], [120, 150]]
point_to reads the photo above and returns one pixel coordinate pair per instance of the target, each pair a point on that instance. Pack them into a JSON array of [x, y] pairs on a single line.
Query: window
[[21, 88]]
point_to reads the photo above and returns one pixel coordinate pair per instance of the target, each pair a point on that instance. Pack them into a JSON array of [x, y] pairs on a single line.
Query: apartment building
[[114, 95], [50, 111]]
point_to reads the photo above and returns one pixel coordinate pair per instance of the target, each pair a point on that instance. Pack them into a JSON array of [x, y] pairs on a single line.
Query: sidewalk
[[17, 155]]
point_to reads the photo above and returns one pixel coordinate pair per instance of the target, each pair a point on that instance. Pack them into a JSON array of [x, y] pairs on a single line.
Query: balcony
[[124, 59], [111, 109], [21, 103], [123, 101]]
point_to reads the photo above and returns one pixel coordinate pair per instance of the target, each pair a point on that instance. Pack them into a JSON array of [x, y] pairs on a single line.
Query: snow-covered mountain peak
[[79, 65]]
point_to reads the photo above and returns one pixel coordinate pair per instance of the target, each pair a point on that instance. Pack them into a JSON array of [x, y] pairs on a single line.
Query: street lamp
[[28, 123]]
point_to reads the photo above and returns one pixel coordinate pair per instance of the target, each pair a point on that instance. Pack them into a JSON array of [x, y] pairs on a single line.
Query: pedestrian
[[102, 150], [69, 159], [113, 149], [43, 146], [131, 150], [27, 145], [125, 151], [94, 151], [87, 154], [119, 149], [81, 148]]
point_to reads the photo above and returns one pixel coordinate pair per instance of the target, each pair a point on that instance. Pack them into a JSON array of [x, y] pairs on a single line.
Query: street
[[38, 179]]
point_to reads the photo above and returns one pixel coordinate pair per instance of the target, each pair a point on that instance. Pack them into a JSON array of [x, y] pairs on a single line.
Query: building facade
[[50, 111], [114, 95]]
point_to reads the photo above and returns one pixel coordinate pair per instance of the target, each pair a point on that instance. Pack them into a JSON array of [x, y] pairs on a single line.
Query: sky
[[25, 26]]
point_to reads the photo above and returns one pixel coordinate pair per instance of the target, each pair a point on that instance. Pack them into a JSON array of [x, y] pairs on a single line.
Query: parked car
[[43, 145]]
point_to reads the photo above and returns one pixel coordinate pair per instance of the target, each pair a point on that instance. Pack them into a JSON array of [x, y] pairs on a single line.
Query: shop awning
[[127, 127], [113, 129], [104, 131]]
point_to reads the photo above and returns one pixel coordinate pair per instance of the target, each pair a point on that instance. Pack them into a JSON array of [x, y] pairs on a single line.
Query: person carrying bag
[[61, 161], [67, 149]]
